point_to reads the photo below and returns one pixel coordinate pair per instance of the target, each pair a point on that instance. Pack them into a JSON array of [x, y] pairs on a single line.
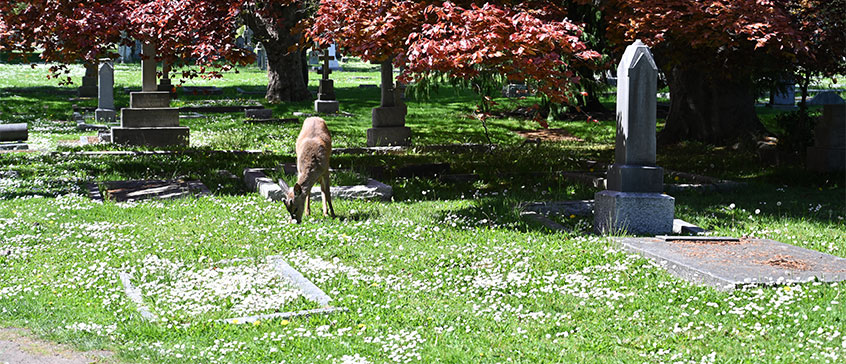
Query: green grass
[[443, 273]]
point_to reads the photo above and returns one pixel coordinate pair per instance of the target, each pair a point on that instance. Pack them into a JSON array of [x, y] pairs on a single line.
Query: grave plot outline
[[309, 291]]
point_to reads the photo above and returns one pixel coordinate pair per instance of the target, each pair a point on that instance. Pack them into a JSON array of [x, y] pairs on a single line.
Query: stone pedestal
[[388, 136], [327, 106], [633, 213], [89, 82], [149, 121], [389, 119], [829, 151], [165, 85], [105, 112], [633, 202]]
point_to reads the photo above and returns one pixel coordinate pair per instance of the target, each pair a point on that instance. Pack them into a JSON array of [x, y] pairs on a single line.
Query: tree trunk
[[285, 78], [710, 107]]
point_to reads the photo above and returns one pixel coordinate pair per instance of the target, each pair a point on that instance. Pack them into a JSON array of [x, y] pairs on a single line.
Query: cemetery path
[[17, 346]]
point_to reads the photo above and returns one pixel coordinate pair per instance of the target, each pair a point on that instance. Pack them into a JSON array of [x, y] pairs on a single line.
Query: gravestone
[[826, 98], [164, 83], [633, 201], [261, 57], [105, 112], [727, 263], [333, 60], [784, 96], [326, 102], [389, 118], [89, 81], [149, 120], [829, 151]]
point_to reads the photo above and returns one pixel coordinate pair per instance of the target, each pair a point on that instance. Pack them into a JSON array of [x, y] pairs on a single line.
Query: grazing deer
[[314, 146]]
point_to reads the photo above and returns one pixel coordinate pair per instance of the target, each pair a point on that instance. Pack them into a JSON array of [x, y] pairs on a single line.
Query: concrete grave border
[[257, 181], [310, 291]]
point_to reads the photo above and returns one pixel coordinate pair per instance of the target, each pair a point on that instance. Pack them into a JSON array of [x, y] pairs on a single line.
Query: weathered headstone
[[333, 60], [89, 81], [105, 112], [389, 118], [633, 201], [149, 120], [326, 102], [829, 151], [261, 57], [164, 83], [784, 96]]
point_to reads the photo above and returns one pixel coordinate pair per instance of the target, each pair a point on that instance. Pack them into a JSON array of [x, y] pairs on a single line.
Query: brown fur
[[314, 147]]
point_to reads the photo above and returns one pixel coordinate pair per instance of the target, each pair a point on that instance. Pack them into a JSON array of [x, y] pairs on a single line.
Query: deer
[[314, 147]]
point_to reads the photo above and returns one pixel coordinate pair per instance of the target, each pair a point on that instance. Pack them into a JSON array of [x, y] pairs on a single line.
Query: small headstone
[[105, 112], [512, 90], [829, 151], [89, 81], [261, 57], [784, 95], [258, 114], [633, 201]]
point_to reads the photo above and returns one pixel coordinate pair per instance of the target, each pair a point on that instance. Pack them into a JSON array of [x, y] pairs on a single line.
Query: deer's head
[[295, 202]]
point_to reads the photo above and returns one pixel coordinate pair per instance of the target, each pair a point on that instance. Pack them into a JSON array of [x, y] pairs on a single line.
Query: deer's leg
[[327, 195], [307, 191]]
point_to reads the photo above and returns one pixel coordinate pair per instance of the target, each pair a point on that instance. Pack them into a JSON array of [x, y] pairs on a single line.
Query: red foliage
[[733, 33], [528, 40], [68, 31]]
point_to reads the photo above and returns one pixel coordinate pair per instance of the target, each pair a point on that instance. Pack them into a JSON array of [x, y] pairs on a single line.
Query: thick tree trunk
[[710, 107], [285, 78]]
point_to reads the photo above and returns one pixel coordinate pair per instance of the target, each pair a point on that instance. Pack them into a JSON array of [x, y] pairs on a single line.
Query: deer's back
[[314, 147]]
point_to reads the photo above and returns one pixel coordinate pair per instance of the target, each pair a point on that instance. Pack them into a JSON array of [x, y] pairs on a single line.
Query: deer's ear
[[298, 189]]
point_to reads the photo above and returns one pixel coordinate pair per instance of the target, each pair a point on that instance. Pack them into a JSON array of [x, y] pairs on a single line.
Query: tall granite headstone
[[89, 81], [105, 112], [829, 151], [634, 201], [149, 120], [326, 102], [389, 118]]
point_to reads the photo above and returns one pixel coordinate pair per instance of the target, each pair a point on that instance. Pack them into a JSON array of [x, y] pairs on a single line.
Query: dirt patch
[[549, 135], [784, 261], [17, 346]]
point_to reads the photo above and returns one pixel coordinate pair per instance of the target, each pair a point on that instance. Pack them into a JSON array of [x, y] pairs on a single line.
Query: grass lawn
[[446, 272]]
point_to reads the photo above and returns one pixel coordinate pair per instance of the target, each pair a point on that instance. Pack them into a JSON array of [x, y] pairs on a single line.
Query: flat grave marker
[[730, 263], [131, 191]]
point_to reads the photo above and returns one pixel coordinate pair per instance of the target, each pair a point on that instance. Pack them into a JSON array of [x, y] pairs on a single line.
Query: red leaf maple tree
[[712, 52], [525, 41], [186, 32]]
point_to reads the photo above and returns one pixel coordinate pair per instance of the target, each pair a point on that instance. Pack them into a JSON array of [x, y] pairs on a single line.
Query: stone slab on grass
[[730, 263], [129, 191], [257, 181]]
